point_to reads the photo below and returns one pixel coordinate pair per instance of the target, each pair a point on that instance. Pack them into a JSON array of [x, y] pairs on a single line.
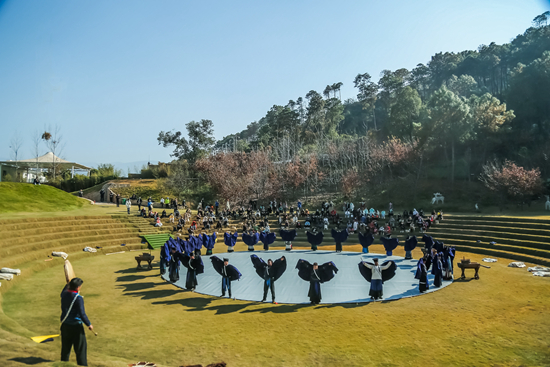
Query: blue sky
[[112, 74]]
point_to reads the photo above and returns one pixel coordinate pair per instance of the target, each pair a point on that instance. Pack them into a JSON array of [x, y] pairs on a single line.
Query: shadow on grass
[[154, 294], [279, 309], [133, 278], [131, 287], [201, 304], [135, 270], [29, 360]]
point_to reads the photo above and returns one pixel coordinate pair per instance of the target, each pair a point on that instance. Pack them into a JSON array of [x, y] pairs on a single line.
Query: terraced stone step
[[507, 248], [60, 222], [511, 223], [492, 234], [486, 239], [498, 254], [495, 228], [78, 242], [13, 260], [64, 230], [23, 239]]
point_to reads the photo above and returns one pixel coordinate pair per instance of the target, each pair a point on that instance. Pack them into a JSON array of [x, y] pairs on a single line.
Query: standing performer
[[422, 276], [174, 265], [164, 257], [315, 275], [288, 237], [410, 244], [228, 272], [230, 240], [251, 239], [269, 272], [72, 317], [437, 270], [428, 243], [314, 238], [390, 244], [376, 275], [267, 239], [209, 242], [194, 266], [366, 240], [339, 237]]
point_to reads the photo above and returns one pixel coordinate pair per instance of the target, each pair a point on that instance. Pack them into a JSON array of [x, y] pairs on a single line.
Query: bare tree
[[54, 141], [15, 144]]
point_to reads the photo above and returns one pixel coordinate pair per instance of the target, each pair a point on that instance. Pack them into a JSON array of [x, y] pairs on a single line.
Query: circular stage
[[347, 286]]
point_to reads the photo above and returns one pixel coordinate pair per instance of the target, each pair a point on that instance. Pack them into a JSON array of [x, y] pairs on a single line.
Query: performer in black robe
[[288, 237], [428, 243], [410, 244], [315, 238], [366, 240], [267, 239], [230, 240], [437, 270], [315, 275], [228, 272], [251, 239], [164, 257], [422, 276], [390, 244], [376, 275], [339, 237], [194, 265], [269, 272], [174, 264], [209, 242]]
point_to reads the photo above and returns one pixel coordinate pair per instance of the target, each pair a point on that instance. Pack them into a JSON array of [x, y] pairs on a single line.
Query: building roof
[[45, 161]]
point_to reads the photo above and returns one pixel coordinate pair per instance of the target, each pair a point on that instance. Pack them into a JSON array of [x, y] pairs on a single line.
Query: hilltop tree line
[[447, 118]]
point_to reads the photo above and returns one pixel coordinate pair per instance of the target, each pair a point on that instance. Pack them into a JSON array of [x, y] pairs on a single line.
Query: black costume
[[390, 244], [267, 239], [288, 237], [386, 270], [194, 267], [366, 240], [228, 273], [269, 273], [314, 238], [339, 237], [324, 273], [410, 244], [251, 239]]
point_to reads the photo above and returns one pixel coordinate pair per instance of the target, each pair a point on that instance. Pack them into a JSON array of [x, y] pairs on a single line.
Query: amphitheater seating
[[26, 243], [516, 238]]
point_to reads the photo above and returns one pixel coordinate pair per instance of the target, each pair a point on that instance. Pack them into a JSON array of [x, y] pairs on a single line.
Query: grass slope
[[23, 197], [499, 320]]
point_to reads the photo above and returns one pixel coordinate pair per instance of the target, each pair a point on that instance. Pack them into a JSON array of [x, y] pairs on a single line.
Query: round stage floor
[[347, 286]]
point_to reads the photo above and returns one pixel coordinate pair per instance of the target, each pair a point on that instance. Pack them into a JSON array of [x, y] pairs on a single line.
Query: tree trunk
[[374, 119]]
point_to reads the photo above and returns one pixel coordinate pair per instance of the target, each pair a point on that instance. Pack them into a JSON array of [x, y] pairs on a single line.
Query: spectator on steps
[[128, 205]]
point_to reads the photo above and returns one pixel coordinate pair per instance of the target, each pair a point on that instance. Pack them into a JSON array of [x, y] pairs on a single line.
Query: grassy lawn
[[499, 320], [23, 197]]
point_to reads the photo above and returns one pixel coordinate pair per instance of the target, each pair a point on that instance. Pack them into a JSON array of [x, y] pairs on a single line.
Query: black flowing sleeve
[[279, 267], [217, 263], [259, 265], [365, 272], [389, 272], [304, 269], [327, 271]]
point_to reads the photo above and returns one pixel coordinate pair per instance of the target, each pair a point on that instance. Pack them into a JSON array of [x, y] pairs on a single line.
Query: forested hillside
[[461, 116]]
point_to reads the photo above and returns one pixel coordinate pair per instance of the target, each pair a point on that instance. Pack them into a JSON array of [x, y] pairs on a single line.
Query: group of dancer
[[270, 272]]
